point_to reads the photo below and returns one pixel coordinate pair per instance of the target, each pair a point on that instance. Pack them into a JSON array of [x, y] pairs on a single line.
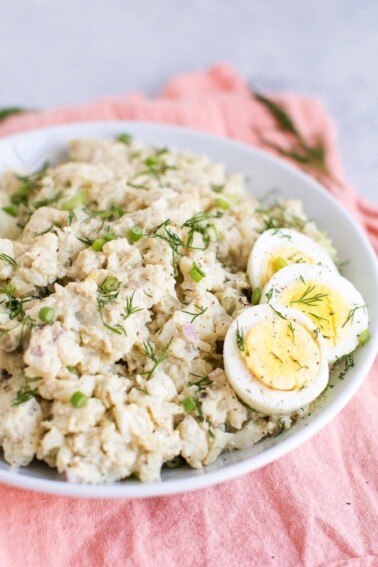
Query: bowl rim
[[204, 478]]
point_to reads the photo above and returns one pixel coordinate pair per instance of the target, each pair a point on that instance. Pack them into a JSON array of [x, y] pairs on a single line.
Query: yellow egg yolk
[[325, 307], [282, 354], [289, 254]]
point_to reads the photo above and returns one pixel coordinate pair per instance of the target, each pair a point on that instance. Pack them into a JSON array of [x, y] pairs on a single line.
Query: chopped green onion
[[73, 370], [151, 161], [10, 210], [189, 404], [75, 202], [98, 244], [109, 236], [364, 337], [47, 314], [256, 296], [222, 204], [110, 285], [196, 273], [78, 399], [135, 233], [279, 263], [124, 138]]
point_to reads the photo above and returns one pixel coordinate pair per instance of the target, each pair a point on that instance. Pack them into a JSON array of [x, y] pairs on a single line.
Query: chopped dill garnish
[[239, 334], [281, 234], [138, 186], [277, 312], [201, 311], [25, 393], [46, 202], [348, 363], [71, 217], [352, 313], [318, 317], [9, 260], [308, 299], [269, 294], [173, 240], [110, 214], [197, 224], [202, 383], [108, 293], [14, 305], [11, 111], [150, 351], [276, 357], [292, 330], [130, 309], [85, 240]]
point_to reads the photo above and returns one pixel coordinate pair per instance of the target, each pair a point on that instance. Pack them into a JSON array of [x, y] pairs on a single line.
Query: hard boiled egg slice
[[279, 247], [331, 301], [275, 363]]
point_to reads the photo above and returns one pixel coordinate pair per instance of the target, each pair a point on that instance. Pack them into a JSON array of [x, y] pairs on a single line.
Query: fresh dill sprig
[[8, 260], [201, 311], [352, 313], [310, 156], [276, 357], [277, 312], [269, 294], [49, 229], [25, 393], [155, 167], [348, 363], [150, 351], [318, 317], [277, 216], [85, 240], [130, 309], [27, 324], [138, 186], [14, 304], [111, 214], [108, 293], [173, 240], [197, 224], [48, 201], [11, 111], [239, 335], [202, 383], [308, 299], [292, 330]]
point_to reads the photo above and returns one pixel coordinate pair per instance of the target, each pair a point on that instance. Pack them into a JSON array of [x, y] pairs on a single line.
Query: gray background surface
[[71, 51]]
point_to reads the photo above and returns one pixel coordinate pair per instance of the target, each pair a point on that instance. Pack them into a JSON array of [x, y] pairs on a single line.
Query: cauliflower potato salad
[[153, 313]]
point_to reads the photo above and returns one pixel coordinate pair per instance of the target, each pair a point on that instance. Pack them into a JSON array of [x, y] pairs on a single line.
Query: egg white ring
[[309, 272], [277, 238], [254, 392]]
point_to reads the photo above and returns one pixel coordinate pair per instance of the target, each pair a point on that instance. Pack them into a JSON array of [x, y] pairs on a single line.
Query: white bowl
[[264, 173]]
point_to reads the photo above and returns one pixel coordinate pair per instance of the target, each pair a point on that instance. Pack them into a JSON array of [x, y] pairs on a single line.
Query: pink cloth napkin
[[315, 507]]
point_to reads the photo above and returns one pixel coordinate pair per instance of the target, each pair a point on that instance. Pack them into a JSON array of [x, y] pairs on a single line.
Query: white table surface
[[70, 51]]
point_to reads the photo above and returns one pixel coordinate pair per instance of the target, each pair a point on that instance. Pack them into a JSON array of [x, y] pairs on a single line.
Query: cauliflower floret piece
[[7, 261], [194, 442]]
